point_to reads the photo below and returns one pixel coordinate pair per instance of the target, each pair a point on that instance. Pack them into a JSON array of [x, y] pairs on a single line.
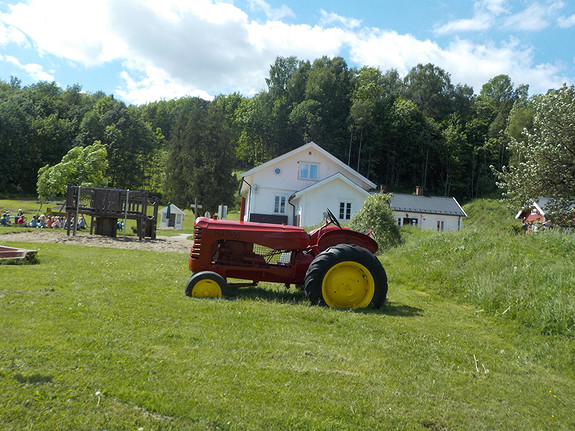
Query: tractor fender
[[346, 236]]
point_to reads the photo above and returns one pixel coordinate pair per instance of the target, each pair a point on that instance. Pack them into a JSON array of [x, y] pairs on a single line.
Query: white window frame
[[305, 171], [345, 210], [279, 204]]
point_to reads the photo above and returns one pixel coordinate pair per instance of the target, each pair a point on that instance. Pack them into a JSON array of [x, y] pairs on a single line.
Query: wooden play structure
[[106, 206]]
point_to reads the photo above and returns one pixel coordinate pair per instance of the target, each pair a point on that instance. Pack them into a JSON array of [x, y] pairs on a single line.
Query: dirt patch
[[179, 244]]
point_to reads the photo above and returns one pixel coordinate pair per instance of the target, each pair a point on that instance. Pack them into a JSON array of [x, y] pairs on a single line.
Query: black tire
[[357, 280], [207, 284]]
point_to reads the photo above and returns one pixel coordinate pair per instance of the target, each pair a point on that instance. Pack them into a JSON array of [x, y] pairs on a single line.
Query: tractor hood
[[276, 236]]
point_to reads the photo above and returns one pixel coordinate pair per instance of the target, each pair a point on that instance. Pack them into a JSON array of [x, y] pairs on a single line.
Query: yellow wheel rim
[[348, 285], [207, 289]]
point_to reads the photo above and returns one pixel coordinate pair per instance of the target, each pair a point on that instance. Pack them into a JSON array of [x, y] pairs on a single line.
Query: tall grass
[[528, 278]]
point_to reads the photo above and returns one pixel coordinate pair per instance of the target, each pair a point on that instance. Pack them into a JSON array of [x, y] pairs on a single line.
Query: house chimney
[[419, 191]]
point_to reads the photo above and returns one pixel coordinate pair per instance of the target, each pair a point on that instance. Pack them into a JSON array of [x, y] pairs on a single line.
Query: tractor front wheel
[[206, 284], [346, 276]]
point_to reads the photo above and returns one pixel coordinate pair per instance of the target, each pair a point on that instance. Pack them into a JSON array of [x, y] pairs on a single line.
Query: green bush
[[376, 215]]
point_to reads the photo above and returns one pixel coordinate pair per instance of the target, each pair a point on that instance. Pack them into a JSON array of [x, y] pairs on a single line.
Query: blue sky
[[146, 50]]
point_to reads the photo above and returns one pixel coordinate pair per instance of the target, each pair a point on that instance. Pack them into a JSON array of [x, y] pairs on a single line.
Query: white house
[[176, 219], [297, 187], [427, 212]]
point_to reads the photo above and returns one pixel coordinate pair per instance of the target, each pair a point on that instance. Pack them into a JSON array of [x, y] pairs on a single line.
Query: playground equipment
[[106, 205]]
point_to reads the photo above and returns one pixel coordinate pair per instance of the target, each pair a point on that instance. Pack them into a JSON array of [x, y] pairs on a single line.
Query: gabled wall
[[280, 177], [310, 208]]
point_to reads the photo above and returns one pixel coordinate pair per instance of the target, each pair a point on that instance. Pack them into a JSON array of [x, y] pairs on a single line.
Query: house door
[[172, 221]]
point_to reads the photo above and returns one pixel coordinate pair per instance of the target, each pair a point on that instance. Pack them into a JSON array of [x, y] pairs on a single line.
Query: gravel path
[[180, 243]]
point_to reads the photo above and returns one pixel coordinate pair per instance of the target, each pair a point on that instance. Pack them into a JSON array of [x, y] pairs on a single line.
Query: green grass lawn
[[29, 207], [104, 339]]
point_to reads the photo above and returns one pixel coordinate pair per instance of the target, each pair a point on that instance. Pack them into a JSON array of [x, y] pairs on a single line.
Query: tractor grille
[[270, 255], [197, 244], [248, 254]]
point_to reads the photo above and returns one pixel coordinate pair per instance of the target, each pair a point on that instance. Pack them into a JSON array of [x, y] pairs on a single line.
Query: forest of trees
[[398, 132]]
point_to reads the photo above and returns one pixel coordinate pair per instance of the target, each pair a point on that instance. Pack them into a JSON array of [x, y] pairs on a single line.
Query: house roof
[[173, 209], [325, 182], [344, 168], [540, 205], [426, 204]]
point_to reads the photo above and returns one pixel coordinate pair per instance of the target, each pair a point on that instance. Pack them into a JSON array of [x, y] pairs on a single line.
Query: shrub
[[376, 215]]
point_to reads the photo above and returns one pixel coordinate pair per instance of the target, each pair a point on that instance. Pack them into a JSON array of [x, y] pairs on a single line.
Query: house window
[[440, 225], [410, 221], [344, 210], [279, 204], [308, 171]]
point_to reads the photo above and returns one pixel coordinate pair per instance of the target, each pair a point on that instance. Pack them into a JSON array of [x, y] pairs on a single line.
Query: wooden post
[[195, 207], [77, 210], [126, 212]]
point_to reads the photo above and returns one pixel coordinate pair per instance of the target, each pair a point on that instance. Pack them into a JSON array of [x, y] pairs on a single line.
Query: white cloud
[[476, 64], [157, 85], [485, 15], [388, 49], [74, 29], [329, 18], [488, 14], [206, 46], [172, 48], [10, 34], [566, 21], [496, 7], [270, 12], [35, 71], [304, 40], [478, 23], [468, 63], [534, 18]]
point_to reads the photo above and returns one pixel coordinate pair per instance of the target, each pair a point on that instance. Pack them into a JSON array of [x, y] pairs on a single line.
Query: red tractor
[[336, 266]]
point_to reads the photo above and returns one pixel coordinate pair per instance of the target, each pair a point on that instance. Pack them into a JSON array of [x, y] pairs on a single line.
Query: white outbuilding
[[427, 212], [171, 216]]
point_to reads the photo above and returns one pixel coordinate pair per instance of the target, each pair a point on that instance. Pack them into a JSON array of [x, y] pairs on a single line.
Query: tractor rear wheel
[[346, 276], [206, 284]]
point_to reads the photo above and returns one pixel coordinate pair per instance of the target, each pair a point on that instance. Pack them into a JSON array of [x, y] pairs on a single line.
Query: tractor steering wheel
[[332, 218]]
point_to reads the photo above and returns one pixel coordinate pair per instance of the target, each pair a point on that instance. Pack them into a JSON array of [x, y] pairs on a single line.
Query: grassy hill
[[477, 335], [528, 278]]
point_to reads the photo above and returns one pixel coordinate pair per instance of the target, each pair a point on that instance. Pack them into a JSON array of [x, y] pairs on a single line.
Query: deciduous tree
[[84, 167], [545, 160]]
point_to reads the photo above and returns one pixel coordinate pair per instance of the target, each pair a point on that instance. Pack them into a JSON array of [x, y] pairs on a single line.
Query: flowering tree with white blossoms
[[545, 160]]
